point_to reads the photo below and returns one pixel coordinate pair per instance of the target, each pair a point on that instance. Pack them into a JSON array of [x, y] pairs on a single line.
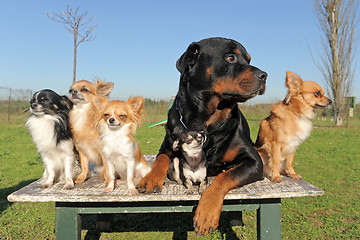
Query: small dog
[[123, 155], [288, 126], [89, 100], [191, 167], [49, 127]]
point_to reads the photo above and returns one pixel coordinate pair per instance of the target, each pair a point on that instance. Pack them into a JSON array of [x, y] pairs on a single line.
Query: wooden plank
[[93, 191]]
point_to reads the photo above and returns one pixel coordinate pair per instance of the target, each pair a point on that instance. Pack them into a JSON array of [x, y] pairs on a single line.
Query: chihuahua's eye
[[231, 58], [122, 116], [84, 90], [106, 115], [317, 94], [44, 101]]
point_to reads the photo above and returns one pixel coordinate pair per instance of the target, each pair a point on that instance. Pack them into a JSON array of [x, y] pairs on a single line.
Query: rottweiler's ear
[[189, 58]]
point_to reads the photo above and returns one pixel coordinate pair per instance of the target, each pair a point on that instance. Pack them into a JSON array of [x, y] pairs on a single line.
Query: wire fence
[[14, 103]]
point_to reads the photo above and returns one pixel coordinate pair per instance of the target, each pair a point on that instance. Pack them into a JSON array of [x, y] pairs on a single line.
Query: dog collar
[[182, 122], [181, 116]]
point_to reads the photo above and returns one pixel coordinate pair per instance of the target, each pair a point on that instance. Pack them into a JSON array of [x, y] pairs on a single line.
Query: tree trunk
[[75, 50], [338, 121]]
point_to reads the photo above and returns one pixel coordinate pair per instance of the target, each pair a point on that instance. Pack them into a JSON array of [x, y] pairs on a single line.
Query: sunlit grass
[[329, 159]]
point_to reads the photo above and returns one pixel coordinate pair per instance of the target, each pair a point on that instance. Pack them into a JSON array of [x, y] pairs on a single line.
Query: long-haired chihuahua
[[123, 155], [89, 99], [288, 126], [49, 127]]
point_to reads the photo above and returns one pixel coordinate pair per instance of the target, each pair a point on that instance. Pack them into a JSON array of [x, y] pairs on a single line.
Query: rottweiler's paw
[[148, 184], [207, 214]]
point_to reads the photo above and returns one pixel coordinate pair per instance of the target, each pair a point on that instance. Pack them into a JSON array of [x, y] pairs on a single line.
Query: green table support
[[68, 215]]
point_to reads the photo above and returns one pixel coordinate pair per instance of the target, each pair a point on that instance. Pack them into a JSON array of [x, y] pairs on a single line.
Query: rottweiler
[[215, 76]]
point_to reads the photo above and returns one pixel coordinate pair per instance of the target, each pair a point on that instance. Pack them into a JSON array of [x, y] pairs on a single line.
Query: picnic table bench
[[89, 198]]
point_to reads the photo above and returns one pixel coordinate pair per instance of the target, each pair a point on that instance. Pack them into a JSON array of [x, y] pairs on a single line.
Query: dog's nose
[[73, 91], [33, 105], [330, 102], [261, 76], [111, 120]]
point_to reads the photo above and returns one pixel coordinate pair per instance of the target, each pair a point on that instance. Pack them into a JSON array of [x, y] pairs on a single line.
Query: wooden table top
[[92, 190]]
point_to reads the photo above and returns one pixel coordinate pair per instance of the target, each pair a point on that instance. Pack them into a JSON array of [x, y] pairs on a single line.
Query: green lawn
[[329, 159]]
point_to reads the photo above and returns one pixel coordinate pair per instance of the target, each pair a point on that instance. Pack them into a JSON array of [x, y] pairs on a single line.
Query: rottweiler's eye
[[231, 58], [317, 94], [84, 90]]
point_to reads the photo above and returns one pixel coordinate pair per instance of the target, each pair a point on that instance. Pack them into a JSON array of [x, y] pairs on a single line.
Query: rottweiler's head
[[221, 67]]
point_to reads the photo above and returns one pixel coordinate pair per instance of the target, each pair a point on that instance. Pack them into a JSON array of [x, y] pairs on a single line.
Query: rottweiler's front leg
[[154, 180], [207, 214]]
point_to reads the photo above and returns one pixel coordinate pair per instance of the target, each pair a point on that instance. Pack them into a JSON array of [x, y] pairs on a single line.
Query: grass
[[329, 159]]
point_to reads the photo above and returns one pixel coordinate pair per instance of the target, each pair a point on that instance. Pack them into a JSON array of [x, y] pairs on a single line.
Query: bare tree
[[78, 25], [338, 22]]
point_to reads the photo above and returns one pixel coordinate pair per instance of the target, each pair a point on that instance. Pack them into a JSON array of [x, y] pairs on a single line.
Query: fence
[[13, 104]]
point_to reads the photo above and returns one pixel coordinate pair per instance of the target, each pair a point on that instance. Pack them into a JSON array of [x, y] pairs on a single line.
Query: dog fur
[[215, 75], [191, 167], [49, 127], [288, 125], [89, 99], [117, 132]]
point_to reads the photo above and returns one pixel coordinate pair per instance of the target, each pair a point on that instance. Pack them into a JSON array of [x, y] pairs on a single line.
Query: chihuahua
[[49, 127], [288, 126], [89, 99], [117, 131], [191, 167]]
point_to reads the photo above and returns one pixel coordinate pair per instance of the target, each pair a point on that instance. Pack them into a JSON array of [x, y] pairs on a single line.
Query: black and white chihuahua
[[49, 127], [191, 167]]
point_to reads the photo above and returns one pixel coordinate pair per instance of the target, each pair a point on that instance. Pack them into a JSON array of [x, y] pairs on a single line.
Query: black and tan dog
[[215, 76]]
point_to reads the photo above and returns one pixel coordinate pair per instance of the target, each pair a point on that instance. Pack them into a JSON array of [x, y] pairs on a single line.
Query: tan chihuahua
[[288, 126], [89, 100], [123, 155]]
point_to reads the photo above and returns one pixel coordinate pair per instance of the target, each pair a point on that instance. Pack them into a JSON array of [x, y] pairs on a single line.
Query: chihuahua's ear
[[104, 88], [136, 103], [67, 102], [100, 102], [293, 83], [176, 145]]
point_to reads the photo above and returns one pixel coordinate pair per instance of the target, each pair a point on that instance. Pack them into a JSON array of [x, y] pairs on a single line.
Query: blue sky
[[138, 42]]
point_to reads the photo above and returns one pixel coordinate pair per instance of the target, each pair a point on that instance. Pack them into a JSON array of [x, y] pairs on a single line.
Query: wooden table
[[89, 198]]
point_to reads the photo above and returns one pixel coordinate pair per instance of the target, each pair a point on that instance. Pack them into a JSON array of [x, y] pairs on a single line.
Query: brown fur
[[117, 131], [288, 126], [89, 99]]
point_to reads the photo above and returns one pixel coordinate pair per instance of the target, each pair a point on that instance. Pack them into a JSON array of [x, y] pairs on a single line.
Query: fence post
[[9, 106]]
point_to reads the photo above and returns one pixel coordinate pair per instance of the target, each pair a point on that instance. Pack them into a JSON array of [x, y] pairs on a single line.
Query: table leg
[[269, 220], [67, 223]]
